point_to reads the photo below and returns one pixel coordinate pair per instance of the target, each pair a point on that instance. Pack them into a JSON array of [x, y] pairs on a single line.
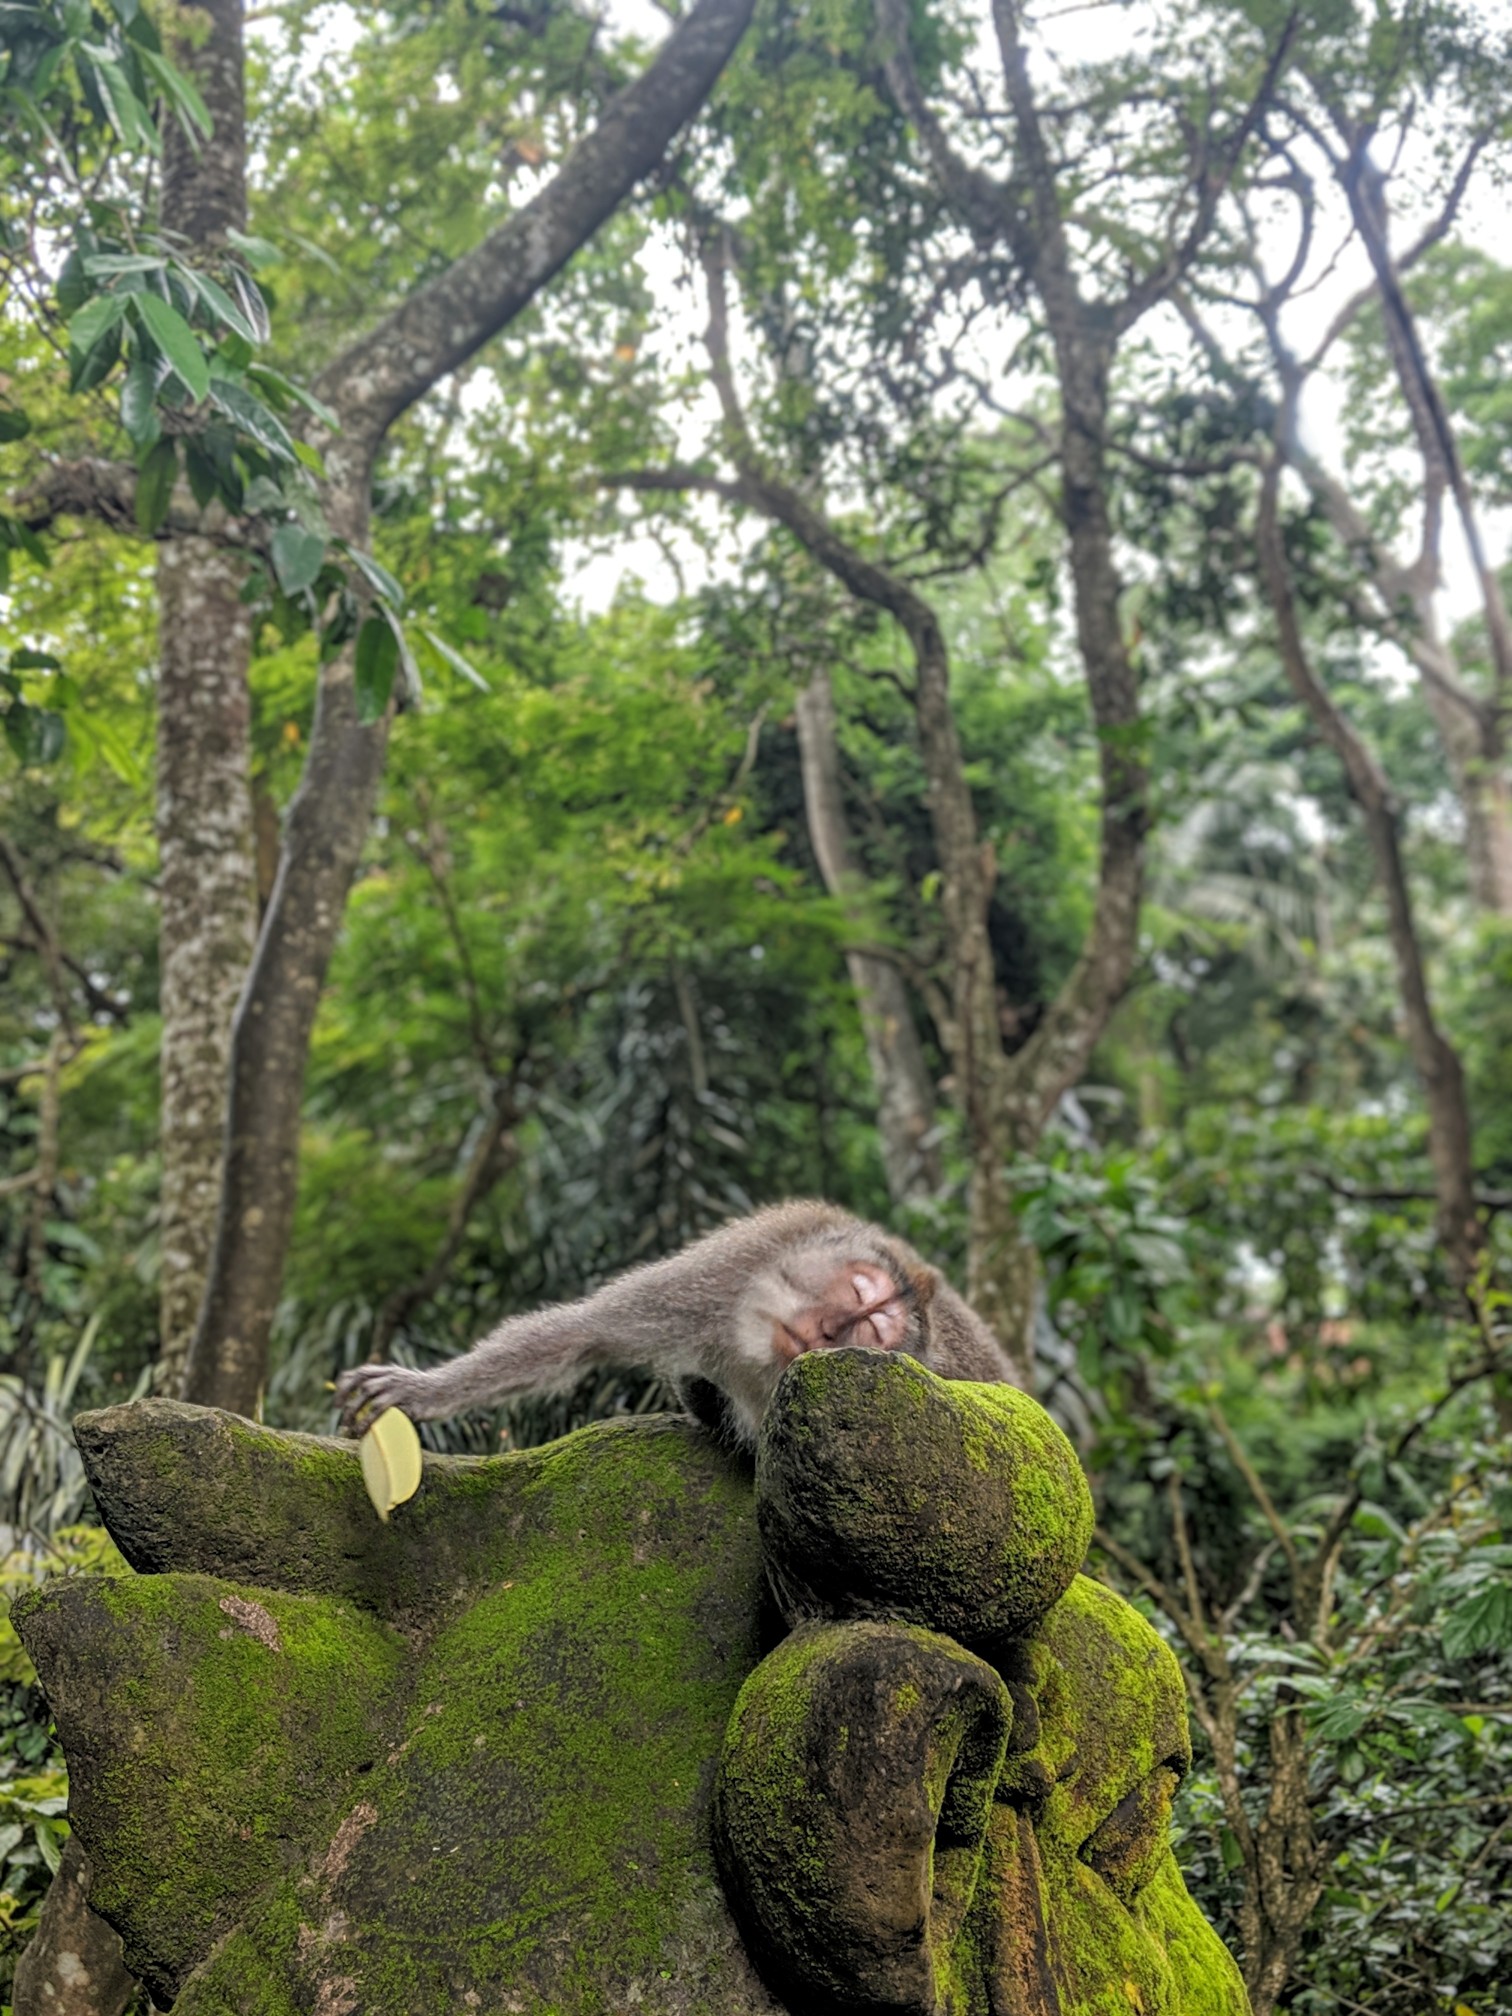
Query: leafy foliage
[[590, 997]]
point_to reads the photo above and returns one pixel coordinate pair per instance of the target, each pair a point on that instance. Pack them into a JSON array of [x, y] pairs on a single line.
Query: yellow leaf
[[734, 816], [1136, 2000], [390, 1452]]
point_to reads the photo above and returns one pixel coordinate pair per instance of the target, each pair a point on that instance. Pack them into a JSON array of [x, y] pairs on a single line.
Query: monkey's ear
[[923, 1280]]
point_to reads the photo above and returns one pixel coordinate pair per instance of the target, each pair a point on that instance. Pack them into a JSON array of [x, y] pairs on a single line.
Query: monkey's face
[[858, 1303]]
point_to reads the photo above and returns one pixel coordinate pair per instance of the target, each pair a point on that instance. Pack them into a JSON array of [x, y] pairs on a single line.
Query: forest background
[[901, 601]]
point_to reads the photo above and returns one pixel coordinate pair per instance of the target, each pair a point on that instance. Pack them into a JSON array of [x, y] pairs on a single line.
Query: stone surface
[[479, 1758], [883, 1491]]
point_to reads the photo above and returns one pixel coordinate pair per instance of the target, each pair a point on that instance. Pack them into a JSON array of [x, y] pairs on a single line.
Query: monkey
[[721, 1320]]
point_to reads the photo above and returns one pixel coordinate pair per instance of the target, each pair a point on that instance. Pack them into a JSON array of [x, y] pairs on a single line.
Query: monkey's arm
[[666, 1316]]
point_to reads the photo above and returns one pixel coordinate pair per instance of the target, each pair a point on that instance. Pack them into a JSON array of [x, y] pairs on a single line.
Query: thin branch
[[740, 777], [447, 319], [494, 1151], [1196, 1638], [1433, 235], [1257, 1490], [1184, 1551], [1155, 286], [47, 946], [1488, 1200]]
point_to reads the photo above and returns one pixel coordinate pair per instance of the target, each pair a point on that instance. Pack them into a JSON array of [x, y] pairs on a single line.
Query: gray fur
[[705, 1314]]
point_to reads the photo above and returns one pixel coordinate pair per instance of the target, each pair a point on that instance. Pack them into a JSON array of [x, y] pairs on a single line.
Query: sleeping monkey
[[721, 1320]]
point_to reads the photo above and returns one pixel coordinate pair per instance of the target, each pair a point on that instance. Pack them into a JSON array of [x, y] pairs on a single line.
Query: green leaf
[[456, 661], [204, 483], [115, 752], [139, 414], [1341, 1721], [93, 367], [176, 340], [99, 264], [341, 626], [297, 557], [1484, 1624], [36, 735], [377, 656], [13, 423], [24, 537], [155, 485], [253, 305], [1378, 1524], [141, 30], [130, 117], [218, 301], [256, 251], [73, 288], [275, 382], [252, 417], [93, 320], [378, 577], [181, 91], [25, 659]]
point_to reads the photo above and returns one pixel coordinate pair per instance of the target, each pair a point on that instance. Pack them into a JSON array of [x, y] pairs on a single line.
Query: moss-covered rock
[[495, 1798], [467, 1760], [855, 1790], [886, 1492]]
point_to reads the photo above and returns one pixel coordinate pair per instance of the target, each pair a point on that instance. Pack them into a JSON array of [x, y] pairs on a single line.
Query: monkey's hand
[[366, 1390]]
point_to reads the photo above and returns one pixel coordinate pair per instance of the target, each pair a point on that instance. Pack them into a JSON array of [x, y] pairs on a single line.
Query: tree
[[1006, 1096], [1342, 113], [435, 329]]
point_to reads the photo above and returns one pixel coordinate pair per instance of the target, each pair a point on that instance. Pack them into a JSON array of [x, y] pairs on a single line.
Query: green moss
[[230, 1721], [537, 1826], [507, 1796], [883, 1490], [832, 1850]]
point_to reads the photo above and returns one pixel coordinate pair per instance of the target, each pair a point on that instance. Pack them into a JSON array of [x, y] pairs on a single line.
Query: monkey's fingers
[[357, 1396]]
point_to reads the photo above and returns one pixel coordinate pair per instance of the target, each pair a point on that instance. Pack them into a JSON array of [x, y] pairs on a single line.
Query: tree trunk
[[438, 327], [1472, 743], [324, 834], [1438, 1066], [208, 908], [73, 1966], [1002, 1265], [905, 1093]]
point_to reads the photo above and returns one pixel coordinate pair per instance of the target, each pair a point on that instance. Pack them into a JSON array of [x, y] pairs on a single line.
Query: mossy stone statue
[[607, 1727]]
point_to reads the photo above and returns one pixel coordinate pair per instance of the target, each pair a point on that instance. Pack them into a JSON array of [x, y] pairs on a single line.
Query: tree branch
[[1214, 182], [445, 321], [47, 947]]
